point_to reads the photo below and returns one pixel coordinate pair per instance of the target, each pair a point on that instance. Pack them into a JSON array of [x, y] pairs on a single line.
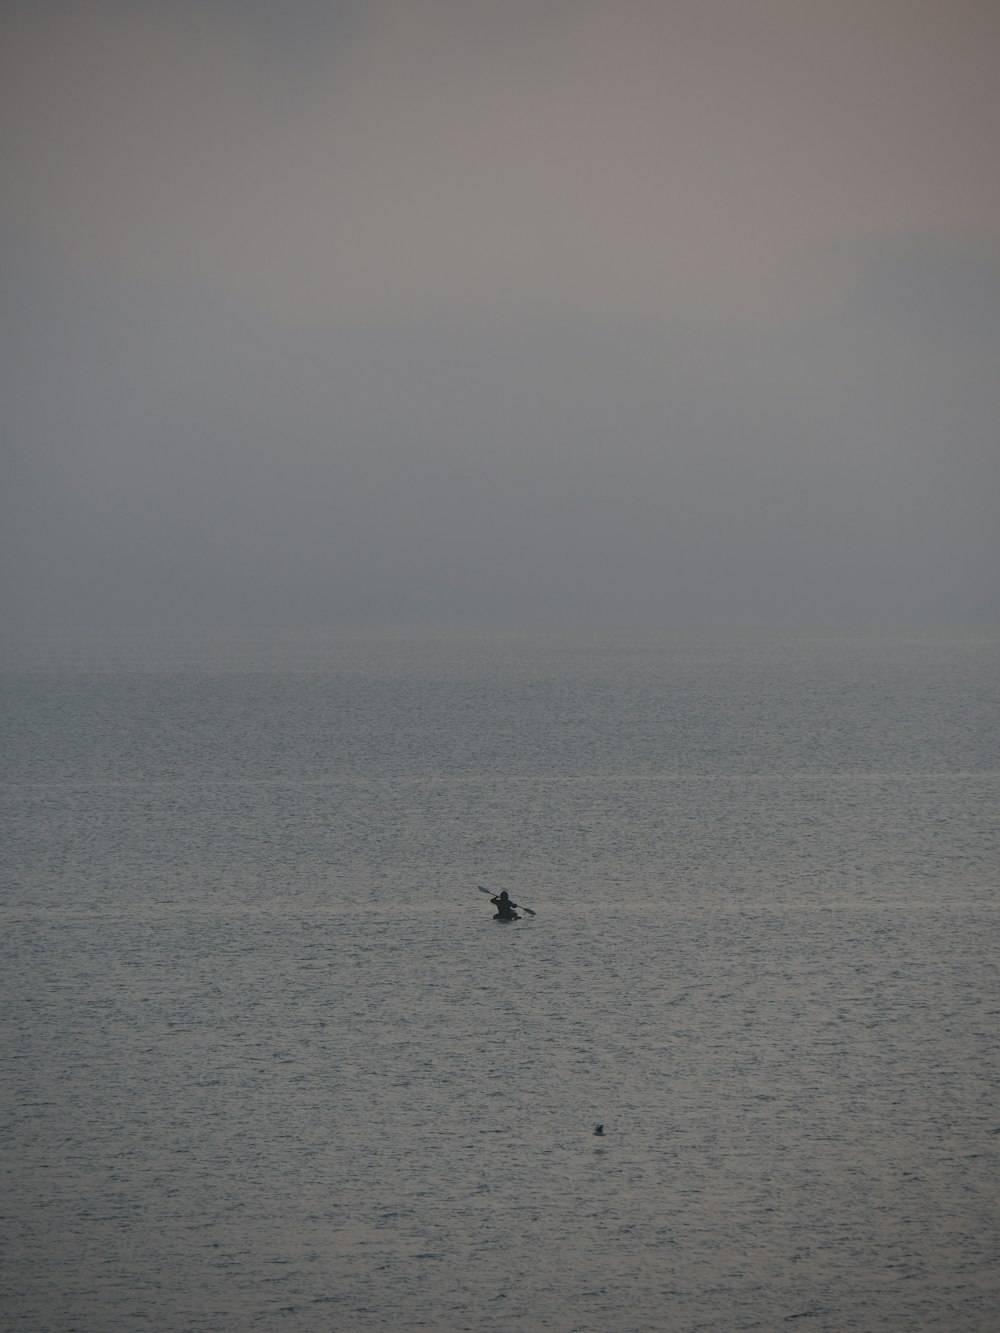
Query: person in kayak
[[505, 908]]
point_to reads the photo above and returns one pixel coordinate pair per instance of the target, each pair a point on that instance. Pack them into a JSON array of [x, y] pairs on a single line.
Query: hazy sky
[[525, 312]]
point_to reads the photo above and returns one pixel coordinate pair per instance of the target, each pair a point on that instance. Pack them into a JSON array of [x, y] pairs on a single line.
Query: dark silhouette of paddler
[[505, 908]]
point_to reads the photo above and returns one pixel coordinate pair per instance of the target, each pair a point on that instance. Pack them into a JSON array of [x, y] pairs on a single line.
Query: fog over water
[[448, 315], [362, 364]]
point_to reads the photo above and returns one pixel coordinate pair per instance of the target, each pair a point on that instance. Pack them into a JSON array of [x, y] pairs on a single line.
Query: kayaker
[[504, 906]]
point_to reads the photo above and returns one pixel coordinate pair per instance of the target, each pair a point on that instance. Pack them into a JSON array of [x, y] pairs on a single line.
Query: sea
[[270, 1064]]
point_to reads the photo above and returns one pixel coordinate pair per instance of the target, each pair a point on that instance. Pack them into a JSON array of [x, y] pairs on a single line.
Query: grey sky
[[432, 313]]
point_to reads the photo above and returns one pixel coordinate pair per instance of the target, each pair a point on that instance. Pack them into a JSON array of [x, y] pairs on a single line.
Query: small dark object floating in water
[[599, 1130]]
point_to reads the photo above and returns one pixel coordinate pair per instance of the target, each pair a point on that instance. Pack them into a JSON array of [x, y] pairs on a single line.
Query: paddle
[[520, 906]]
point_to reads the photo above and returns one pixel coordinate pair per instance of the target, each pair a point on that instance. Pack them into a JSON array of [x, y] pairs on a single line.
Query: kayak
[[495, 898]]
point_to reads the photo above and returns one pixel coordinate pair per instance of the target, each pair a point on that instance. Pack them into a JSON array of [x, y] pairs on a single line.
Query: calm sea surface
[[269, 1064]]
